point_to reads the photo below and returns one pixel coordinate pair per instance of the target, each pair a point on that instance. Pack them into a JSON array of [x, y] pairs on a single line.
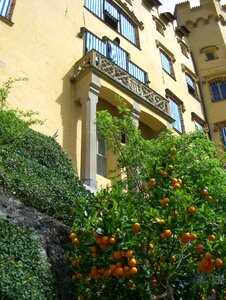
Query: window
[[223, 131], [101, 157], [218, 89], [184, 47], [114, 17], [6, 8], [210, 56], [176, 114], [210, 52], [167, 64], [191, 84], [200, 124]]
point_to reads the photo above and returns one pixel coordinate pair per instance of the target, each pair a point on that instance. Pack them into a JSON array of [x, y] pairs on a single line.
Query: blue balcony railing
[[116, 54]]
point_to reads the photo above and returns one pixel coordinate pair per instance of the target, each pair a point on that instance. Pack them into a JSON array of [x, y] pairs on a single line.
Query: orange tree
[[159, 233]]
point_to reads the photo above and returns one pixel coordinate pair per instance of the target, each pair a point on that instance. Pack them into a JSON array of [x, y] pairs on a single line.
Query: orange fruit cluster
[[207, 264], [187, 237], [73, 238], [124, 265], [102, 242]]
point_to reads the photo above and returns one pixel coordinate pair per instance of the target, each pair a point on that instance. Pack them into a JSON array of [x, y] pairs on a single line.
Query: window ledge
[[7, 21], [170, 75]]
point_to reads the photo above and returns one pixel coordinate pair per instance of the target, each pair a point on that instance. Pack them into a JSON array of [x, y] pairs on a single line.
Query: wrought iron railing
[[111, 70]]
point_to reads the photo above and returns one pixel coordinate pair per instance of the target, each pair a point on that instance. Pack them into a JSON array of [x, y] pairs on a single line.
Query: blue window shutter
[[165, 62], [176, 115], [4, 7], [92, 42], [224, 135], [223, 89], [136, 72], [111, 10], [127, 29], [118, 56], [215, 91], [95, 6]]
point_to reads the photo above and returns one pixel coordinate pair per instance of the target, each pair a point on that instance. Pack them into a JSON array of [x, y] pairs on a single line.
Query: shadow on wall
[[71, 113]]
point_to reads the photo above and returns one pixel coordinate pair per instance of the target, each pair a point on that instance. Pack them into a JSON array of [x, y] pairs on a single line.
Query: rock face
[[50, 232]]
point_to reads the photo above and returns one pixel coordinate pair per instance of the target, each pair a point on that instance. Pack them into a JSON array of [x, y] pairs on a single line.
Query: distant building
[[81, 56], [207, 41]]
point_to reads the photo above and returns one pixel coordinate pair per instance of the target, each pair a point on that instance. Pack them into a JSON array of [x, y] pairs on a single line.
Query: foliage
[[34, 168], [23, 272], [159, 232]]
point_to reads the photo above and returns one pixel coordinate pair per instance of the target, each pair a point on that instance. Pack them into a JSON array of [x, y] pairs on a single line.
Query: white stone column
[[136, 113], [89, 139]]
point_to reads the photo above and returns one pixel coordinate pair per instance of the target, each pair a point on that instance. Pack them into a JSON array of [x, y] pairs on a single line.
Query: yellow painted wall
[[43, 45]]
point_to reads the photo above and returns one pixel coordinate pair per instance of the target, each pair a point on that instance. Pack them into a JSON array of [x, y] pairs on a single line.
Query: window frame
[[180, 104], [8, 17], [191, 89], [102, 157], [220, 91], [197, 120], [194, 78], [168, 56], [212, 49]]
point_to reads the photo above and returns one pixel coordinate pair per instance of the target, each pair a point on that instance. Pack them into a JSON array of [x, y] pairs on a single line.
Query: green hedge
[[34, 168], [23, 272]]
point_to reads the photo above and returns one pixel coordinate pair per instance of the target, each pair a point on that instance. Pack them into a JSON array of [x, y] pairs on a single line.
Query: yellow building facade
[[80, 56], [207, 40]]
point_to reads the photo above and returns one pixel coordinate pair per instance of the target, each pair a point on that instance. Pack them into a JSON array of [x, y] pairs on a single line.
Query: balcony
[[94, 61]]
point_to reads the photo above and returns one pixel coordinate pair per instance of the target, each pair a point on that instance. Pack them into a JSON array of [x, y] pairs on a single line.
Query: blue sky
[[168, 5]]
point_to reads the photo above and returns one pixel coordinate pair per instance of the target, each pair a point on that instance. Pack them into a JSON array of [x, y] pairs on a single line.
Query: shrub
[[23, 272]]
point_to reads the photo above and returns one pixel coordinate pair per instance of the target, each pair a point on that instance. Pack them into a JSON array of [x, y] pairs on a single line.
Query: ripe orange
[[74, 262], [174, 150], [161, 172], [107, 273], [117, 255], [112, 240], [191, 210], [164, 174], [132, 262], [199, 247], [129, 253], [204, 192], [193, 236], [72, 236], [176, 186], [119, 271], [167, 233], [179, 181], [151, 181], [136, 226], [164, 201], [75, 241], [218, 262], [174, 180], [105, 240], [212, 237], [96, 235], [133, 271]]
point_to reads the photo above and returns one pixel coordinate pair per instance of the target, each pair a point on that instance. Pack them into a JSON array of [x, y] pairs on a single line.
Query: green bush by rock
[[23, 272], [34, 168]]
